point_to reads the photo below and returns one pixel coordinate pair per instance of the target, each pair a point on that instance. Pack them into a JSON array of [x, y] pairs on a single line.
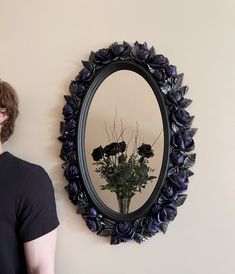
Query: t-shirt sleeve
[[37, 213]]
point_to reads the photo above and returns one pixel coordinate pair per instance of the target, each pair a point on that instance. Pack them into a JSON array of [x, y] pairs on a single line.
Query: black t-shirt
[[27, 209]]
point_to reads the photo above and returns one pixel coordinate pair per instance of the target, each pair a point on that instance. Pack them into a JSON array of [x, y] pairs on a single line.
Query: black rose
[[167, 213], [114, 148], [141, 52], [77, 88], [92, 213], [159, 74], [169, 193], [179, 181], [122, 146], [73, 189], [67, 149], [121, 50], [94, 224], [103, 56], [97, 153], [174, 97], [125, 231], [181, 118], [70, 126], [158, 61], [177, 157], [86, 74], [183, 141], [68, 111], [171, 71], [151, 225], [145, 150], [71, 173]]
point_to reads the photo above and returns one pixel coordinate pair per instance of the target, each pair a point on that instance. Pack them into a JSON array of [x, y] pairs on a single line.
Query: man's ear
[[3, 116]]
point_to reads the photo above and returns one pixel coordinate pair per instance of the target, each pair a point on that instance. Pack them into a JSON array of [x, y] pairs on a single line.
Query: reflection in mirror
[[125, 113]]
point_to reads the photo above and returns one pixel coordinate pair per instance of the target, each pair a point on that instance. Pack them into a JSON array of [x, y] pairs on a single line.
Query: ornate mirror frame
[[168, 194]]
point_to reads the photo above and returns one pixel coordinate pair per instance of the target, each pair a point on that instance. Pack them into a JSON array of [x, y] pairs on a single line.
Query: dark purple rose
[[77, 88], [181, 118], [177, 157], [174, 97], [168, 193], [97, 153], [158, 61], [151, 225], [121, 50], [93, 224], [145, 150], [141, 52], [159, 74], [103, 56], [92, 213], [183, 141], [114, 148], [171, 71], [67, 149], [125, 231], [179, 181], [73, 189], [68, 111], [167, 213], [71, 173], [70, 126], [86, 74]]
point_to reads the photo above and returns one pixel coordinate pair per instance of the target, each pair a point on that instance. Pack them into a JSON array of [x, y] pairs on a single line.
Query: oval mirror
[[123, 112], [126, 142]]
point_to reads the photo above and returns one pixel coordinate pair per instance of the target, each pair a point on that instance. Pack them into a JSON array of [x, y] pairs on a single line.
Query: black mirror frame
[[161, 207]]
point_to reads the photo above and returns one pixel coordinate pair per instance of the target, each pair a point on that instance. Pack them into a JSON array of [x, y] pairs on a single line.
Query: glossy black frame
[[94, 85]]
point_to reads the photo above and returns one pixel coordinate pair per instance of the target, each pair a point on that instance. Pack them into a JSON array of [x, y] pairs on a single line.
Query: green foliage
[[124, 175]]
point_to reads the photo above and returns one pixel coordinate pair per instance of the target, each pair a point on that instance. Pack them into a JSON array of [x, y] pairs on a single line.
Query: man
[[28, 218]]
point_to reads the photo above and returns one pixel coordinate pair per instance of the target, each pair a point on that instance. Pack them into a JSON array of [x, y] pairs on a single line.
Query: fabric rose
[[171, 71], [98, 153], [177, 157], [141, 52], [121, 50], [164, 213], [158, 61], [68, 111], [174, 97], [77, 88], [103, 56], [70, 126], [181, 118], [183, 141], [169, 193], [145, 150], [179, 181], [73, 189], [67, 149], [125, 231], [71, 173], [94, 224], [167, 213], [151, 225], [114, 148], [86, 74]]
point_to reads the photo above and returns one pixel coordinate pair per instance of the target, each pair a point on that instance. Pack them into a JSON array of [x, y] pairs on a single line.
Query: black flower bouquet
[[125, 175]]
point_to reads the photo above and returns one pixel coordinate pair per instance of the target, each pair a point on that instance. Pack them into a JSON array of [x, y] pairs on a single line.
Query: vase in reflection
[[124, 205]]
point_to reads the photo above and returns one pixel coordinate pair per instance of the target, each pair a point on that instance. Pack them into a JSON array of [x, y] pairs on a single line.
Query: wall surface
[[41, 45]]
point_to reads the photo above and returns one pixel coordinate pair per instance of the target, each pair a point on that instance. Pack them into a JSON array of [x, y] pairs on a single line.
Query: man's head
[[8, 110]]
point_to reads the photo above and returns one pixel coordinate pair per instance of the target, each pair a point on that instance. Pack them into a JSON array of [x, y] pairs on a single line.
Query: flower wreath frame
[[172, 193]]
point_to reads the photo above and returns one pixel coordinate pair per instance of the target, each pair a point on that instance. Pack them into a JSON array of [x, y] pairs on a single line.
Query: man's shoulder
[[24, 166]]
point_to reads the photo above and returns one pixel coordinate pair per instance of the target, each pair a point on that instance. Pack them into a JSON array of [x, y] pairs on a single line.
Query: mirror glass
[[124, 114]]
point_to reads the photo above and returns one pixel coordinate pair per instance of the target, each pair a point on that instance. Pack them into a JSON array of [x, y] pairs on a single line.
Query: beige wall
[[41, 45]]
